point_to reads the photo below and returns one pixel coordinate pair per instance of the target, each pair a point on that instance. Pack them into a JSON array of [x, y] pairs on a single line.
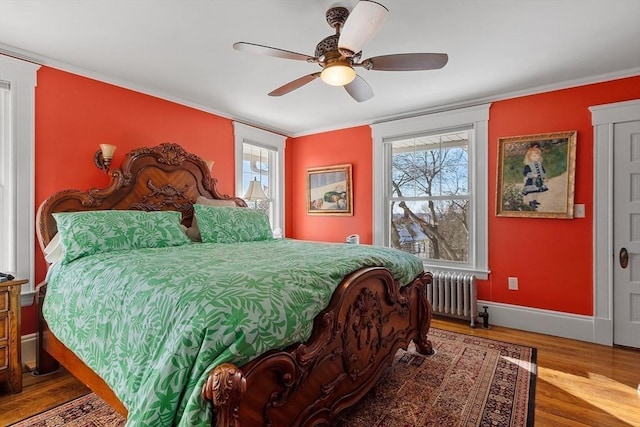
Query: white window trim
[[251, 135], [477, 117], [21, 76]]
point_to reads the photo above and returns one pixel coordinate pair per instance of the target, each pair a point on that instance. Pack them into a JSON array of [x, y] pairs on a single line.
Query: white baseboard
[[29, 350], [566, 325], [603, 331]]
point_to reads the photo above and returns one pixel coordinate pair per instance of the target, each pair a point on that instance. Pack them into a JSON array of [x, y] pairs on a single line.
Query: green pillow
[[90, 232], [230, 225]]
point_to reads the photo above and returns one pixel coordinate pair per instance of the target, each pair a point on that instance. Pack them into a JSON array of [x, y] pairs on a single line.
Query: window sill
[[27, 298]]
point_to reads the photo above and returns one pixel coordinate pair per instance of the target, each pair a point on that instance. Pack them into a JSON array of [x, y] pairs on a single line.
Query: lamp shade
[[338, 74], [107, 151], [255, 191]]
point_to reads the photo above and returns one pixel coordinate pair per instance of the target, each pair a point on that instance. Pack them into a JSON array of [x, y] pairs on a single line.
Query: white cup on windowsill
[[353, 239]]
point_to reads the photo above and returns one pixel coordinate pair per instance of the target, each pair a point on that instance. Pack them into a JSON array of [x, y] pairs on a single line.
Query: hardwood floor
[[38, 394], [578, 384]]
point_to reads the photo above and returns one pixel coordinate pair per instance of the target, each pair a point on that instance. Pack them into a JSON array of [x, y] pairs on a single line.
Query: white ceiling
[[181, 50]]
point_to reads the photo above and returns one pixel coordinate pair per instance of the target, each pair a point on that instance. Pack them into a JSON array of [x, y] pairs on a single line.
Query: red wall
[[74, 114], [344, 146], [552, 258]]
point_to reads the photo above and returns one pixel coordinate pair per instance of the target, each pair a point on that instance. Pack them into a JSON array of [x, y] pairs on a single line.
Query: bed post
[[225, 386], [45, 363], [422, 342]]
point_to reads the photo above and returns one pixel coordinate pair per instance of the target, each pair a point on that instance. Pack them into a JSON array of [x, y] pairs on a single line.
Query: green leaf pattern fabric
[[91, 232], [220, 224], [154, 322]]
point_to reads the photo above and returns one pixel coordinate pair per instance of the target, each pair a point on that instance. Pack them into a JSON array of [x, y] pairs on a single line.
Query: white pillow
[[54, 252], [201, 200]]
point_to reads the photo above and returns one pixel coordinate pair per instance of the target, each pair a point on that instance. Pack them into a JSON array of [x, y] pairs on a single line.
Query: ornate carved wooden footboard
[[353, 340]]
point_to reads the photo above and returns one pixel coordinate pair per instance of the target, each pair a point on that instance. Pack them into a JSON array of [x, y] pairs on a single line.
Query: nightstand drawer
[[10, 360], [4, 328], [4, 301], [4, 357]]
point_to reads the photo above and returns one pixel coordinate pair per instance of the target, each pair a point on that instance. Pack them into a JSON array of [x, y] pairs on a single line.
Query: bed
[[334, 345]]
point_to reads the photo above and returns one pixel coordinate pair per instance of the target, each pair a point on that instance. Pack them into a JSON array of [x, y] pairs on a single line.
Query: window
[[256, 162], [430, 188], [17, 213], [260, 156], [7, 214], [429, 200]]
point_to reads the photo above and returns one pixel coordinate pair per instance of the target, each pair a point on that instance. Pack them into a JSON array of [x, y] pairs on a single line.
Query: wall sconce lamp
[[102, 158], [255, 192]]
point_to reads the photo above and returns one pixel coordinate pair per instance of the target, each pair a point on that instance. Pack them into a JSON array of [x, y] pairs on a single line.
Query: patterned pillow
[[194, 232], [230, 225], [87, 233]]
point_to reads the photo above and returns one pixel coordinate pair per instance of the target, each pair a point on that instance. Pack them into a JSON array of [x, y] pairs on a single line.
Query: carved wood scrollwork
[[293, 369], [85, 199], [352, 343], [362, 338], [171, 154], [364, 328], [161, 197], [168, 153], [225, 387]]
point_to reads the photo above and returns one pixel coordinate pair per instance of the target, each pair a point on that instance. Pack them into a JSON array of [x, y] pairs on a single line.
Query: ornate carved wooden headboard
[[165, 177]]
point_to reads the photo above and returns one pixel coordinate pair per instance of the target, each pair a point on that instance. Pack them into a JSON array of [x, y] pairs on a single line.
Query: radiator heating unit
[[454, 294]]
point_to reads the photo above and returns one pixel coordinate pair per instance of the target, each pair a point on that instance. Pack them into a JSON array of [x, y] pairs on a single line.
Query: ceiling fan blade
[[359, 89], [272, 51], [361, 26], [293, 85], [407, 62]]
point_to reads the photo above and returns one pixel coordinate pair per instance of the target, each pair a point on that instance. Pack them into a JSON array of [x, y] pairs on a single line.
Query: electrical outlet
[[513, 283]]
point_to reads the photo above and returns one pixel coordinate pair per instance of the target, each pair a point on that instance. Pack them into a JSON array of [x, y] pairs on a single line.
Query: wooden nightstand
[[10, 345]]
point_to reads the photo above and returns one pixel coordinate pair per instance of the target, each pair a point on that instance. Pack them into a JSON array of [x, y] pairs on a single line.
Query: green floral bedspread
[[154, 322]]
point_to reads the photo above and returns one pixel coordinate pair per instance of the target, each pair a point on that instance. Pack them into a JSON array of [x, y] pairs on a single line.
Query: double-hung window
[[430, 188], [17, 223], [260, 157]]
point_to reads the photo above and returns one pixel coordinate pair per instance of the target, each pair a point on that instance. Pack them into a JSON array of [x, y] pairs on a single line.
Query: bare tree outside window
[[429, 201]]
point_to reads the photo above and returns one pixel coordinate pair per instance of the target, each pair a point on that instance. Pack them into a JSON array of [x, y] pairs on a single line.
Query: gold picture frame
[[329, 190], [536, 175]]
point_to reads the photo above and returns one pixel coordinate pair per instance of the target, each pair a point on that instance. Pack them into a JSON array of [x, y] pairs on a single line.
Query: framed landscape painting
[[329, 190], [536, 175]]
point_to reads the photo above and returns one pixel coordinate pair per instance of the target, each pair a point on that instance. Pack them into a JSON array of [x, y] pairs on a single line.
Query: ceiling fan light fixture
[[338, 74], [339, 53]]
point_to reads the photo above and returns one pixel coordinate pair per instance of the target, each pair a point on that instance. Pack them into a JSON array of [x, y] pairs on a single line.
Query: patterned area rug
[[470, 381]]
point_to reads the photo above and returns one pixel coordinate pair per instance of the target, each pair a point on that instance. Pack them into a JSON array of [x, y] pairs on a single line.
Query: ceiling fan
[[341, 52]]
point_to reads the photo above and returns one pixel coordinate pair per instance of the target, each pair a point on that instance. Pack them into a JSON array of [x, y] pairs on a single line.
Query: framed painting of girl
[[536, 175]]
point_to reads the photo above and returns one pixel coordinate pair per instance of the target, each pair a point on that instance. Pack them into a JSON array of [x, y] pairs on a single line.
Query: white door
[[626, 234]]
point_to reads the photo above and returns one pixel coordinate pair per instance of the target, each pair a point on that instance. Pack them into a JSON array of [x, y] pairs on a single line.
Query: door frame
[[603, 118]]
